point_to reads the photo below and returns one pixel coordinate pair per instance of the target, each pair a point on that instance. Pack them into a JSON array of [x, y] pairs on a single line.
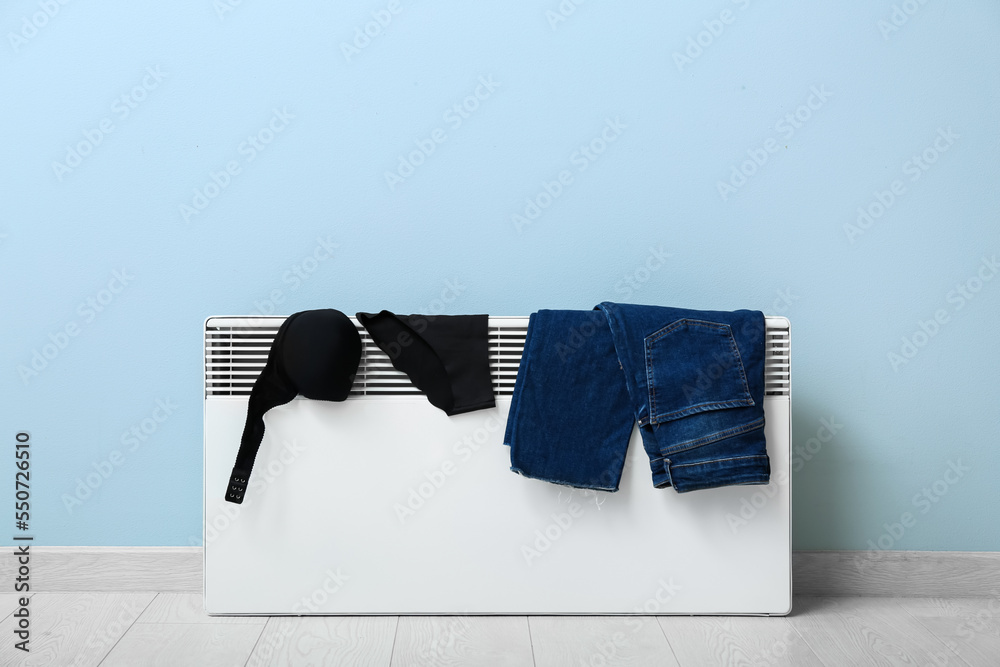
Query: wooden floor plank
[[970, 627], [869, 631], [189, 644], [491, 641], [572, 641], [114, 629], [73, 628], [331, 640], [737, 640], [188, 608]]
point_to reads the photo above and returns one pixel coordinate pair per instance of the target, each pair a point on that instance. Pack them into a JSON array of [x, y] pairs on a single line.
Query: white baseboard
[[896, 573], [111, 569], [179, 569]]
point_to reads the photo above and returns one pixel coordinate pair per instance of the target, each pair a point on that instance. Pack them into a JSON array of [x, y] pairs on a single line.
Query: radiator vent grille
[[236, 349], [777, 378]]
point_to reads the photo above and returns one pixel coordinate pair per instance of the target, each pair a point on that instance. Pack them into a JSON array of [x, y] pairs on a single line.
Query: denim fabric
[[693, 381], [570, 417]]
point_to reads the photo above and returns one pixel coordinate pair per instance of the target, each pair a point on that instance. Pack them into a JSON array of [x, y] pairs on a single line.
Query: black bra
[[316, 353]]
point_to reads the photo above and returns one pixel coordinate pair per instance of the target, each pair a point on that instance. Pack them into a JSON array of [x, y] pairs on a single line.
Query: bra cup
[[315, 353], [321, 353]]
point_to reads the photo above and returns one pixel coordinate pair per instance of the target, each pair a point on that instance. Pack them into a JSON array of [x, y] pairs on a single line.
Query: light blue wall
[[776, 243]]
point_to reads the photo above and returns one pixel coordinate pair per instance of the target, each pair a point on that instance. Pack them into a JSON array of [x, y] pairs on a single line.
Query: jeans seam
[[704, 407], [715, 437], [657, 335], [739, 358], [728, 458], [649, 381]]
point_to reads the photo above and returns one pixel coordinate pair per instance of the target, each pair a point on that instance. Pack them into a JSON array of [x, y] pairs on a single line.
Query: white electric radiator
[[382, 504]]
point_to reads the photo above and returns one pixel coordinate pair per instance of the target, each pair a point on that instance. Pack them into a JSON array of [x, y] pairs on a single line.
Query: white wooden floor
[[132, 629]]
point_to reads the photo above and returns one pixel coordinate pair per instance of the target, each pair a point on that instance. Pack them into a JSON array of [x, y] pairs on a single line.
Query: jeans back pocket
[[693, 366]]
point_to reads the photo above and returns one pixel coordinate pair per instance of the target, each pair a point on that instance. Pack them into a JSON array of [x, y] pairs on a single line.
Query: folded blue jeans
[[693, 381]]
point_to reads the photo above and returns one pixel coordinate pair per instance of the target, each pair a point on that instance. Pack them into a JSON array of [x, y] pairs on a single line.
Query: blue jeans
[[693, 380]]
